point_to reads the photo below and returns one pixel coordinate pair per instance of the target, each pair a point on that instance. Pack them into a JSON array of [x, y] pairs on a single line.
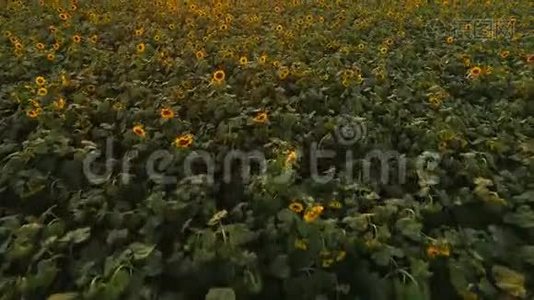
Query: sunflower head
[[139, 131], [42, 91], [296, 207], [475, 72], [291, 158], [283, 73], [33, 113], [77, 39], [200, 54], [261, 118], [166, 113], [219, 76], [243, 60], [450, 40], [59, 104], [40, 80], [140, 48], [313, 213], [183, 141]]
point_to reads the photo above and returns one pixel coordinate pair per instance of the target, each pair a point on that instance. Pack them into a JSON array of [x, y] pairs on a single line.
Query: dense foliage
[[283, 78]]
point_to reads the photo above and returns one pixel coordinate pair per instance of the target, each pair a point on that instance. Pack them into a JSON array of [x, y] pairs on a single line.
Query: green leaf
[[523, 217], [77, 236], [220, 294], [141, 251], [410, 228], [63, 296], [509, 281], [279, 267], [239, 234], [527, 254]]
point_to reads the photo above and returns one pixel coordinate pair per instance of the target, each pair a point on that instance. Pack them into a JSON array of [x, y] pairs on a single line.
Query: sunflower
[[383, 50], [200, 54], [438, 250], [296, 207], [18, 46], [335, 204], [35, 103], [63, 16], [33, 113], [140, 48], [283, 72], [139, 32], [157, 38], [40, 80], [166, 113], [51, 56], [139, 131], [243, 60], [77, 39], [261, 118], [313, 213], [218, 76], [56, 46], [93, 39], [434, 101], [361, 46], [39, 46], [59, 104], [474, 72], [504, 54], [171, 26], [42, 91], [450, 40], [262, 59], [279, 28], [291, 157], [388, 42], [183, 141]]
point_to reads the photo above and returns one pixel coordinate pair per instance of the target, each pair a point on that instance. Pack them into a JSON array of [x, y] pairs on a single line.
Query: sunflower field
[[266, 149]]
